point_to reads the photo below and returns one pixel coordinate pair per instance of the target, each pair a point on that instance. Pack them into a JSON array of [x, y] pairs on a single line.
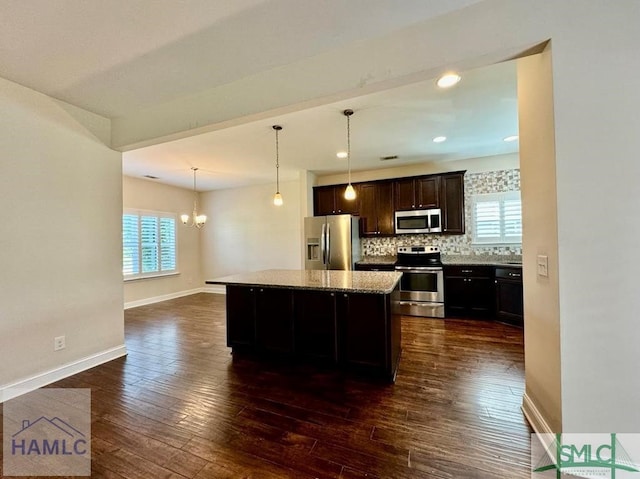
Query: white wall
[[471, 165], [246, 232], [540, 223], [60, 238], [149, 195], [597, 171]]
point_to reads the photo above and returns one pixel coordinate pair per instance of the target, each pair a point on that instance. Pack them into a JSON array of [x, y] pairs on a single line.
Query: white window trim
[[128, 278], [155, 274], [501, 197]]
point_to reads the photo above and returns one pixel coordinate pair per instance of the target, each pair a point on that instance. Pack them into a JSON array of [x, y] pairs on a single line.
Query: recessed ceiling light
[[342, 155], [448, 80], [510, 138], [439, 139]]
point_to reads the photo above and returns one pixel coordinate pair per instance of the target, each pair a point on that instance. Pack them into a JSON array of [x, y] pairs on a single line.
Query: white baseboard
[[37, 381], [164, 297], [215, 289], [533, 415]]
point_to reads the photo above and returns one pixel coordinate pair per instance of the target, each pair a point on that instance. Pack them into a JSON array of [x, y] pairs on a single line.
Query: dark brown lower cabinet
[[274, 320], [241, 317], [468, 291], [509, 296], [359, 314], [315, 326], [354, 331]]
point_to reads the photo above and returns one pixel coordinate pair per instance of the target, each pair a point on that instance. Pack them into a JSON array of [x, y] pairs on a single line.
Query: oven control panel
[[418, 249]]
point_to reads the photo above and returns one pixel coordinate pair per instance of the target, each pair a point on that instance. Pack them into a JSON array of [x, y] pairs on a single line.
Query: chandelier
[[197, 220]]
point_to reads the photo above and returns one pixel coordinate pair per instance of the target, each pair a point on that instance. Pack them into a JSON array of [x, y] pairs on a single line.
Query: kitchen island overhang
[[346, 320]]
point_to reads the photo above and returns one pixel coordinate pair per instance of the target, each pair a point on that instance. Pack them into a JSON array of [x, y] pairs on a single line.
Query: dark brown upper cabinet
[[452, 199], [329, 200], [417, 193], [376, 208], [377, 201]]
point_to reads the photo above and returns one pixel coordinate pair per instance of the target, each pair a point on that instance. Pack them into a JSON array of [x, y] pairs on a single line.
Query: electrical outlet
[[58, 343]]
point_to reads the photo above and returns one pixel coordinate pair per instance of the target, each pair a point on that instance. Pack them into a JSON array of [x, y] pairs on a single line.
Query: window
[[148, 244], [497, 218]]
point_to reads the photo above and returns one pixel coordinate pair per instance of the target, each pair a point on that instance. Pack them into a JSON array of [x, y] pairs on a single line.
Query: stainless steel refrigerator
[[332, 242]]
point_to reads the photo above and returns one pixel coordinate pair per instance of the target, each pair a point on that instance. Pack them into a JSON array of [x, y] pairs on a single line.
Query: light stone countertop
[[456, 260], [486, 260], [348, 281]]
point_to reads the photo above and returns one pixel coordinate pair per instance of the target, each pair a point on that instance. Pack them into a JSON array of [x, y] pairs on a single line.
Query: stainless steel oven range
[[422, 283]]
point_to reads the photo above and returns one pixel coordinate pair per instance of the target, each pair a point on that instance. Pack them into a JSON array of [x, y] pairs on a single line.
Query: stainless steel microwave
[[418, 221]]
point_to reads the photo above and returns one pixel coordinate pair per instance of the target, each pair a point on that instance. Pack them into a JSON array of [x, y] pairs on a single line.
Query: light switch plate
[[543, 265]]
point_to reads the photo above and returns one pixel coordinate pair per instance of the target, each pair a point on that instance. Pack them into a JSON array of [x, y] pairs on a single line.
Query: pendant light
[[195, 219], [277, 198], [349, 192]]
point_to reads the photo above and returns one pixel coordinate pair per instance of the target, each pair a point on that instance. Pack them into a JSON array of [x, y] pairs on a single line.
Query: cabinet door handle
[[467, 271]]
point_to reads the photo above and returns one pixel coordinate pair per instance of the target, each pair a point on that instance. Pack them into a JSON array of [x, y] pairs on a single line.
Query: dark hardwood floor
[[179, 406]]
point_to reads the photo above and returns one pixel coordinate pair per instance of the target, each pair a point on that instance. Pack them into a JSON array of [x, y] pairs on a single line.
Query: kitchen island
[[340, 319]]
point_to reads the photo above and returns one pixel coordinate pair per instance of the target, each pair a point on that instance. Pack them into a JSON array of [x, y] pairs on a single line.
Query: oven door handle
[[419, 268]]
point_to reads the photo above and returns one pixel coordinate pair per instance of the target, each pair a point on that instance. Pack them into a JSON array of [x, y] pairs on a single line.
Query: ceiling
[[118, 57], [475, 116]]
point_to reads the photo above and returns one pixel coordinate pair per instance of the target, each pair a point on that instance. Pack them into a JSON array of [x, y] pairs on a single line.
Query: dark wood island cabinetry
[[343, 319]]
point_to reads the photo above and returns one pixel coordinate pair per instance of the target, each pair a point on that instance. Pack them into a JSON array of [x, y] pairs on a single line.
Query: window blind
[[148, 243], [497, 218]]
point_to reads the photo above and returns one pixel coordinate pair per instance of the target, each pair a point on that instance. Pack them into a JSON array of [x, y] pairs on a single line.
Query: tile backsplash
[[474, 183]]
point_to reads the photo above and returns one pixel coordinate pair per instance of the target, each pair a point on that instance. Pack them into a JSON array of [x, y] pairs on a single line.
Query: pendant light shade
[[196, 219], [349, 192], [277, 198]]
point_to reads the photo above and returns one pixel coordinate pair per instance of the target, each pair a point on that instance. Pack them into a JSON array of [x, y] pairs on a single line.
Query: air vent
[[151, 177], [387, 158]]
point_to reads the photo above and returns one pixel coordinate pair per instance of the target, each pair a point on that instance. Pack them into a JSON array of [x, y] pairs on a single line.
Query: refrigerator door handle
[[323, 246], [328, 243]]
